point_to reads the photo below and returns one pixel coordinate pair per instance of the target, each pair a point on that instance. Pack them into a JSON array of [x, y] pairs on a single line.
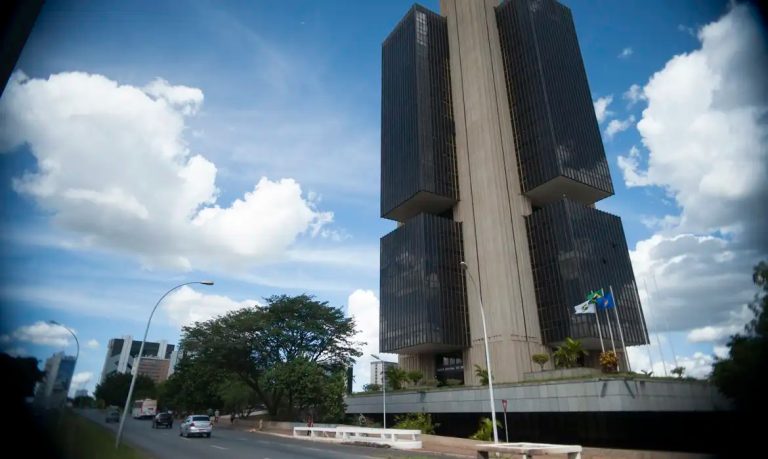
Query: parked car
[[162, 419], [197, 424], [112, 416]]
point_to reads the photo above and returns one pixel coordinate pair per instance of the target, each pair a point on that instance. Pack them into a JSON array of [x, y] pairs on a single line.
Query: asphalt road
[[225, 443]]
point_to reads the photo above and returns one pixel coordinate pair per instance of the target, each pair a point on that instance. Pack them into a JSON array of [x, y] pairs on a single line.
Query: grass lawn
[[78, 438]]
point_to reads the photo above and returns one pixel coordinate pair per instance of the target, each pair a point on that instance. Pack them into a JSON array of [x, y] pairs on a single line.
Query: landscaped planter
[[562, 373]]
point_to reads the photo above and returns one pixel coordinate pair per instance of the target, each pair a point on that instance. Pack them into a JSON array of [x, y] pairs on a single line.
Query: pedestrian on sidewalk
[[310, 423], [216, 418]]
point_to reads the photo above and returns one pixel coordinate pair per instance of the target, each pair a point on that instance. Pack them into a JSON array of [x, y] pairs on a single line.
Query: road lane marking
[[217, 447]]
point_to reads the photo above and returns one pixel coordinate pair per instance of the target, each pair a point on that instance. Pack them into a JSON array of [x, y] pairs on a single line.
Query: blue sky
[[287, 96]]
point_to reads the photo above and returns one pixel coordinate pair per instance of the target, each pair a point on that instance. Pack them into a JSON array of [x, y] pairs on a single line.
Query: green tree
[[285, 351], [679, 371], [540, 359], [742, 374], [568, 354], [193, 386], [484, 430], [236, 396], [315, 390], [396, 377], [115, 387], [481, 373], [416, 421], [84, 401], [372, 388], [21, 374], [415, 377]]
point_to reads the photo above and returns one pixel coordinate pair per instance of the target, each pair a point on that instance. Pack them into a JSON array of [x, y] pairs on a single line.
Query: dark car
[[162, 419], [112, 416]]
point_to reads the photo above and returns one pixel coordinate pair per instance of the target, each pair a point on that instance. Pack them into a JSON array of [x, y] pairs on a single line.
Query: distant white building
[[121, 353], [377, 371], [53, 389]]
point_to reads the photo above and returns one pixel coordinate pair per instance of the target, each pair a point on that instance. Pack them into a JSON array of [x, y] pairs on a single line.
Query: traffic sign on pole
[[506, 430]]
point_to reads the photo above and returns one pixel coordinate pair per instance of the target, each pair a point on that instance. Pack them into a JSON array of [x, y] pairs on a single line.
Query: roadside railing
[[395, 438], [527, 450]]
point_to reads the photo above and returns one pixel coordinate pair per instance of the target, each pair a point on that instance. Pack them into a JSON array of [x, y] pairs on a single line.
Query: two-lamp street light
[[487, 353], [137, 360]]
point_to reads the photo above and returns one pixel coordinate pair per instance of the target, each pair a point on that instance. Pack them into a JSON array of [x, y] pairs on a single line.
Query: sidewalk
[[465, 448]]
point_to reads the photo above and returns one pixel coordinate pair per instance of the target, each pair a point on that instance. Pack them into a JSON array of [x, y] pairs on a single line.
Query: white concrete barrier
[[395, 438], [528, 450]]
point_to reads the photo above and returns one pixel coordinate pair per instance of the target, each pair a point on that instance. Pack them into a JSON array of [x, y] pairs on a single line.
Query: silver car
[[197, 424]]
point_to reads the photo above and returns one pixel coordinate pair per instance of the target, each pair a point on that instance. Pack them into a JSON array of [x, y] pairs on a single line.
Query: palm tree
[[567, 354], [415, 376], [396, 376], [481, 373]]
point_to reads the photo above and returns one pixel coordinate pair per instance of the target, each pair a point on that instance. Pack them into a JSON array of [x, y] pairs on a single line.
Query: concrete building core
[[491, 154]]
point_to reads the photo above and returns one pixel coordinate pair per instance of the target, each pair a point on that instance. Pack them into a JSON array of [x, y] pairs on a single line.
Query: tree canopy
[[742, 374], [21, 374], [192, 387], [293, 353], [114, 389]]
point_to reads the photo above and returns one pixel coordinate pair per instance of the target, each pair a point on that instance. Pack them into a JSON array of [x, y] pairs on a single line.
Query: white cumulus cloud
[[601, 107], [363, 306], [113, 167], [41, 333], [17, 351], [713, 334], [626, 52], [705, 130], [93, 344], [79, 381], [186, 306], [688, 282], [634, 95], [706, 147], [661, 361], [616, 125], [630, 166]]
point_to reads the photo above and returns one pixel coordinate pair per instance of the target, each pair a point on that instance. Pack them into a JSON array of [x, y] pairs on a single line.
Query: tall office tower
[[378, 370], [122, 352], [491, 154], [54, 388]]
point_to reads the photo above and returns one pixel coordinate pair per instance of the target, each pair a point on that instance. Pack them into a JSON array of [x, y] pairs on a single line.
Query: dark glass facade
[[423, 294], [418, 155], [577, 249], [553, 120], [150, 349], [449, 366]]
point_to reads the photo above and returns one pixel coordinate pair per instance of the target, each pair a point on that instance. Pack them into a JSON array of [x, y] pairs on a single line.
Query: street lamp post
[[383, 386], [137, 361], [487, 353], [77, 355]]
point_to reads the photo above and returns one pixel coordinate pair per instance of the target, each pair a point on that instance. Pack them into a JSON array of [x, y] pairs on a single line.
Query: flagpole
[[621, 333], [599, 332], [610, 331], [658, 341], [664, 318], [641, 316]]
